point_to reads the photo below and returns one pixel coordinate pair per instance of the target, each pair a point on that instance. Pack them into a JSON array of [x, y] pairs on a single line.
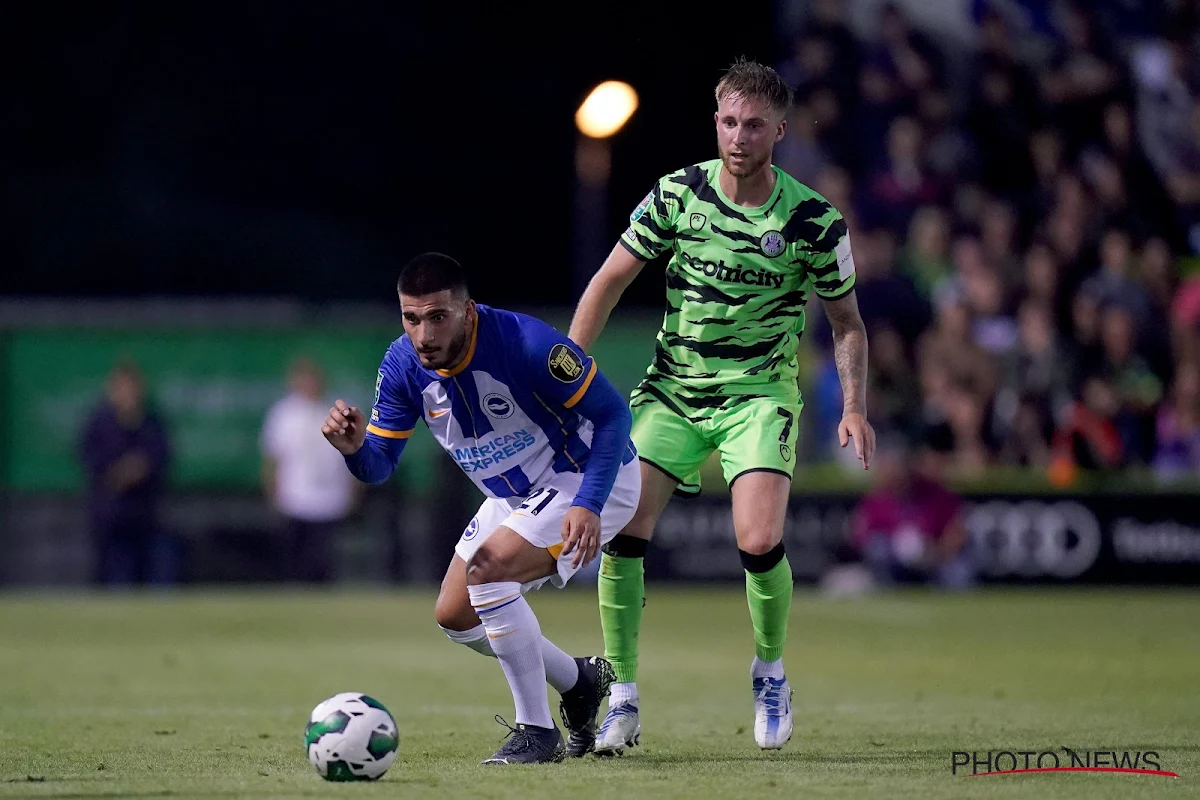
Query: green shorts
[[756, 434]]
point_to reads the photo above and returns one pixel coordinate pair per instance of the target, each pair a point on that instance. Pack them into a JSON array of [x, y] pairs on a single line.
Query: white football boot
[[620, 730], [772, 712]]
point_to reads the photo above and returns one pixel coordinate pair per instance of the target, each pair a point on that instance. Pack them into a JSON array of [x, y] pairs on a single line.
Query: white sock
[[561, 670], [622, 693], [516, 637], [475, 638], [767, 669]]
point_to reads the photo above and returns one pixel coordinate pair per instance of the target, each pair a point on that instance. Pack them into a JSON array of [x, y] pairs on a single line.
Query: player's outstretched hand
[[581, 532], [856, 427], [345, 428]]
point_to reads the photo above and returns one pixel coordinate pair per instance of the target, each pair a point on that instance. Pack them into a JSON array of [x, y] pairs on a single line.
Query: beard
[[740, 170], [452, 353]]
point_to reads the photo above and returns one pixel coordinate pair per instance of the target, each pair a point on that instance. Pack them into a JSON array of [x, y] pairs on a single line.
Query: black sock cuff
[[623, 546], [763, 563]]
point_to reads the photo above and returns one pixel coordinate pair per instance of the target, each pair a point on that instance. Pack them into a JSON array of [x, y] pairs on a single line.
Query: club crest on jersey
[[772, 243], [642, 206], [565, 364], [472, 529], [497, 406], [697, 221], [785, 452]]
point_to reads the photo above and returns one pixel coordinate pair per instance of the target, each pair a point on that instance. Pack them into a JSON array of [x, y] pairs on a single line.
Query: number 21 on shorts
[[537, 502]]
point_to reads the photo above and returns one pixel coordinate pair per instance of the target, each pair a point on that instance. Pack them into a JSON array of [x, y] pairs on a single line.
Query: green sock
[[621, 586], [770, 597]]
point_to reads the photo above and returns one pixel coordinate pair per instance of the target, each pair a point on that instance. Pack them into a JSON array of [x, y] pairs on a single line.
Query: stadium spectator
[[1138, 389], [910, 527], [903, 184], [892, 392], [1035, 387], [304, 479], [125, 453], [925, 258], [1114, 284], [801, 154], [950, 153], [950, 347], [1040, 279], [1087, 438], [1178, 426]]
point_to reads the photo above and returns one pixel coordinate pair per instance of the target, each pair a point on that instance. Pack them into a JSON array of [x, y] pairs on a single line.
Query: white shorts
[[538, 518]]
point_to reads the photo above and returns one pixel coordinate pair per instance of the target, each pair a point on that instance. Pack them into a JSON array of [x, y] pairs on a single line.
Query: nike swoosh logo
[[436, 414]]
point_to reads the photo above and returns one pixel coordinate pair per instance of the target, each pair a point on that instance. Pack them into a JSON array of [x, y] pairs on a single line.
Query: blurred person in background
[[885, 295], [1082, 75], [903, 184], [1035, 388], [892, 391], [1084, 350], [998, 240], [1157, 276], [1183, 182], [1039, 283], [1138, 388], [801, 154], [910, 53], [304, 479], [125, 452], [1178, 426], [1185, 319], [1113, 283], [925, 258], [992, 326], [950, 153], [950, 345], [1047, 160], [1087, 439], [909, 529]]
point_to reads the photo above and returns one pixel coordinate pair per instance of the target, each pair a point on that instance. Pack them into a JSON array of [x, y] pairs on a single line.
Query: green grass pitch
[[205, 694]]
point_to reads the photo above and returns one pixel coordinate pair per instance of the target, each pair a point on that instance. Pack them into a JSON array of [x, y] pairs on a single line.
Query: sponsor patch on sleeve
[[642, 206], [565, 364]]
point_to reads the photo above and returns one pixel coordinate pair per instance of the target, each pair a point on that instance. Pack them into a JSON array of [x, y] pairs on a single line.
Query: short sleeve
[[652, 224], [831, 261], [559, 369], [393, 415], [271, 438]]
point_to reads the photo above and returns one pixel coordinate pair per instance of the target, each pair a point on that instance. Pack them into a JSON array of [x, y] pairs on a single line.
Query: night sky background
[[306, 149]]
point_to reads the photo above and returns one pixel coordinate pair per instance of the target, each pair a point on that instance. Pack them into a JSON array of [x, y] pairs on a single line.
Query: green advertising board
[[213, 388]]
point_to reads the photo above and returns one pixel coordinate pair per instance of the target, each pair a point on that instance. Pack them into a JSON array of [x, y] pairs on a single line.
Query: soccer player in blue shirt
[[544, 435]]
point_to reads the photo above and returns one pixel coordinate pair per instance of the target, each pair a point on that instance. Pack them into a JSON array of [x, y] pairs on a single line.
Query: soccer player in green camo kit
[[748, 245]]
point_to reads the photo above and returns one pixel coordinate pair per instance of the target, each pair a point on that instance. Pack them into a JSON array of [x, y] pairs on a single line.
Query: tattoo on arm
[[849, 351]]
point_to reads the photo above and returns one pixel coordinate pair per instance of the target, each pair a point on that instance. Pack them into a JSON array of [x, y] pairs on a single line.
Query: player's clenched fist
[[345, 428]]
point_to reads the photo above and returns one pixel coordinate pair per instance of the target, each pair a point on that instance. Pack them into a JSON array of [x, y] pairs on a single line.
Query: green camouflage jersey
[[737, 282]]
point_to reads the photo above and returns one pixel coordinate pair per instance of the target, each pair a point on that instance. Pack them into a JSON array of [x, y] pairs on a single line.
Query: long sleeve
[[393, 417], [610, 416], [564, 374], [376, 460]]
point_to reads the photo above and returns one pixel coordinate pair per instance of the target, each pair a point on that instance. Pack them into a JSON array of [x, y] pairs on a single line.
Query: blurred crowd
[[1024, 215], [125, 449]]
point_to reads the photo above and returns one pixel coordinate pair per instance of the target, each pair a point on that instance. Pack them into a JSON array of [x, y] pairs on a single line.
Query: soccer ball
[[351, 737]]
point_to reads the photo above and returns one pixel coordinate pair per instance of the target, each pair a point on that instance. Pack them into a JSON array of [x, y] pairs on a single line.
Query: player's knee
[[454, 613], [486, 567], [640, 527], [759, 541]]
